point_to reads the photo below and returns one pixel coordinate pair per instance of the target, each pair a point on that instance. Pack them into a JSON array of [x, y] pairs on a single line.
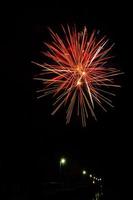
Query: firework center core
[[80, 73]]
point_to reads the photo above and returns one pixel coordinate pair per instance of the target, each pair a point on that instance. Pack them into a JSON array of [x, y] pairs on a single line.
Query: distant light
[[93, 182], [62, 161], [100, 179], [90, 175], [84, 172], [94, 177]]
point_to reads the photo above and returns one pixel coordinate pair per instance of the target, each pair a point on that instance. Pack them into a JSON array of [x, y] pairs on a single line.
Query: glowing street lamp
[[62, 161], [90, 175], [84, 172]]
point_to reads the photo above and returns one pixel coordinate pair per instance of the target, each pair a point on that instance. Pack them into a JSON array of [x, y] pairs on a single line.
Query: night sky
[[32, 141]]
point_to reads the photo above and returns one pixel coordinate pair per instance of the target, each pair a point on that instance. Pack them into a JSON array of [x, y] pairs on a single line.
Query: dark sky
[[31, 136]]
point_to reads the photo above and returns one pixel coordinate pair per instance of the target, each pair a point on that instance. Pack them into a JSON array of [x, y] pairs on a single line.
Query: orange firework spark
[[78, 74]]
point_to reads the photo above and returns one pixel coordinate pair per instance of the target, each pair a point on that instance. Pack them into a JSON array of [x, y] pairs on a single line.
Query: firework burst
[[78, 74]]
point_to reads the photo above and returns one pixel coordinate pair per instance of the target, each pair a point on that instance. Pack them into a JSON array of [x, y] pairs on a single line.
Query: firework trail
[[78, 74]]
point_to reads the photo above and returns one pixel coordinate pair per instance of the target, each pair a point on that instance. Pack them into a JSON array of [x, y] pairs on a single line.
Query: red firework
[[78, 73]]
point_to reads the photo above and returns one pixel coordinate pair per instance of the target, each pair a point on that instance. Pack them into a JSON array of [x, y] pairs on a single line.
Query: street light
[[84, 172], [90, 175], [62, 161]]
